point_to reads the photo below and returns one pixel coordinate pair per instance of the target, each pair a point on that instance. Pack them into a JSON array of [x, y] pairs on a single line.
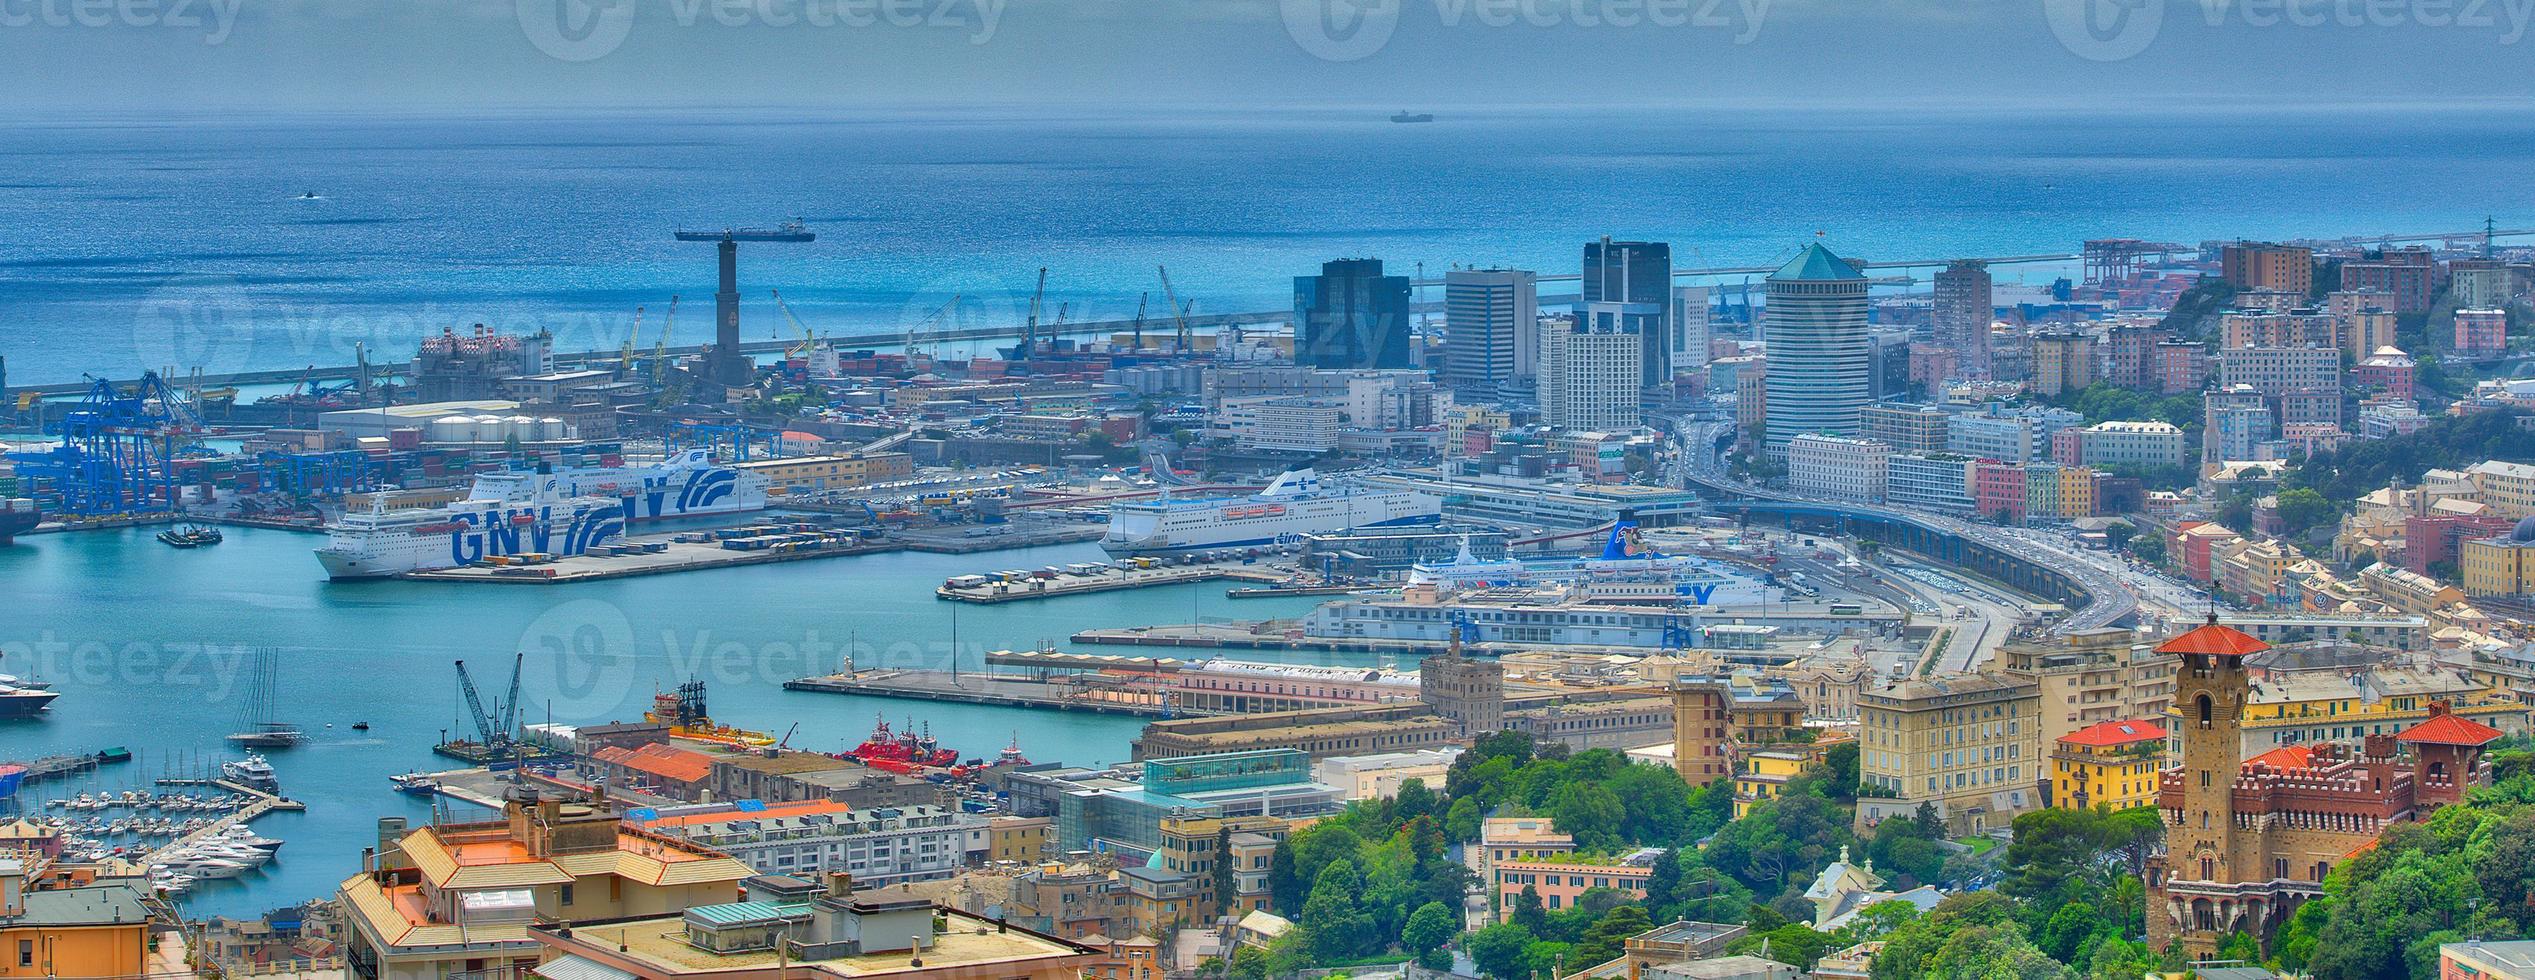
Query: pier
[[1087, 693], [688, 556], [264, 803]]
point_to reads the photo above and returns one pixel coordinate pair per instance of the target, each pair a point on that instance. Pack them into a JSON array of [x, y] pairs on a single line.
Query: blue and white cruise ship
[[1295, 505], [562, 512]]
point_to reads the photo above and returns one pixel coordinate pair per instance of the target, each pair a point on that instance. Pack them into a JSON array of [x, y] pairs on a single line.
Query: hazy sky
[[217, 55]]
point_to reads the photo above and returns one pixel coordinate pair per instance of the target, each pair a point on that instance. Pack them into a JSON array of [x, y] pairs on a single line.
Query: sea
[[156, 650], [274, 242]]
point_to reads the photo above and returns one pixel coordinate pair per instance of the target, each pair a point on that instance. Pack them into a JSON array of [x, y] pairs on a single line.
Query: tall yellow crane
[[1179, 313], [660, 349], [625, 358], [807, 340]]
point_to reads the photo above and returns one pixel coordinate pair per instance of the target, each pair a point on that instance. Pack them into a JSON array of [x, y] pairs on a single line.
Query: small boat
[[1405, 116], [310, 196], [189, 536], [416, 784], [360, 726], [241, 835]]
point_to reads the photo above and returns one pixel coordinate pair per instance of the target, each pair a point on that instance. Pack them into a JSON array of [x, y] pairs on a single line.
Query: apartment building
[[2143, 444], [1970, 745], [2111, 763], [1938, 482], [880, 846], [1850, 469], [1906, 429]]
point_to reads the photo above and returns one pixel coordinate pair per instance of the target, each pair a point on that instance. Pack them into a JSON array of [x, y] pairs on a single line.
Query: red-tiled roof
[[2286, 757], [2225, 641], [660, 760], [2449, 729], [2115, 733]]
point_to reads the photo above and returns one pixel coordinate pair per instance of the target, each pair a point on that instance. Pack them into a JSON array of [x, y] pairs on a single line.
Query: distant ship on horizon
[[1405, 116]]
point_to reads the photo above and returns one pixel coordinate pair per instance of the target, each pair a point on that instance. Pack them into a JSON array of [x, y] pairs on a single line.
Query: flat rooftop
[[660, 945]]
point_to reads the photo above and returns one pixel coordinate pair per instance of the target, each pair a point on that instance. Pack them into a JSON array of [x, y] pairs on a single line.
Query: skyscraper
[[1638, 274], [1818, 359], [1491, 329], [1589, 368], [1964, 309], [1689, 329], [1351, 316]]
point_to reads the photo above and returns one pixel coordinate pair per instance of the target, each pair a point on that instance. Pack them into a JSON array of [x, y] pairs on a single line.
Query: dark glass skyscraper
[[1351, 316], [1636, 273]]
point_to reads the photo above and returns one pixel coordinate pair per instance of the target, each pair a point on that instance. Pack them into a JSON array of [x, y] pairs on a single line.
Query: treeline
[[2361, 466]]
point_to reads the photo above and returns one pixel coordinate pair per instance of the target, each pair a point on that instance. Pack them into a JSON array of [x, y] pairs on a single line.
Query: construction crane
[[625, 358], [493, 726], [1030, 327], [1140, 300], [1179, 313], [930, 319], [807, 339]]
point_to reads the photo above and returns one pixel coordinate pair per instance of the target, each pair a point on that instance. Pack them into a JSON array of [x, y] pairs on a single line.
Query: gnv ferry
[[1295, 505], [562, 512]]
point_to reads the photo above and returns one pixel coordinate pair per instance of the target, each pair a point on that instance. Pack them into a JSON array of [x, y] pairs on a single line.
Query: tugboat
[[360, 726], [903, 751], [415, 784], [189, 536]]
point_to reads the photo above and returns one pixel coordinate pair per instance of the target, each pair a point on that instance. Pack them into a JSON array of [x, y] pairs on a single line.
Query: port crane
[[1030, 327], [929, 320], [808, 340], [1140, 300], [496, 727], [1179, 313], [625, 358]]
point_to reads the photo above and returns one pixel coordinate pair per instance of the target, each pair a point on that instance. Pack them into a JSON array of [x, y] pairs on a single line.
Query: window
[[26, 952], [567, 893]]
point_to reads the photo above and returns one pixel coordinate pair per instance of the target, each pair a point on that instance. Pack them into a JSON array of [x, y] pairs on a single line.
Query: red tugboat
[[903, 751]]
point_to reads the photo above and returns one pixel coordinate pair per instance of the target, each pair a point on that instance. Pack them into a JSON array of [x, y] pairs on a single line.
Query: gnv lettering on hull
[[500, 534], [1698, 593]]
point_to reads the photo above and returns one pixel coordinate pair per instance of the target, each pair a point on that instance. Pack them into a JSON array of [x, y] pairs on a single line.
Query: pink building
[[1560, 883], [2181, 366], [2068, 446], [2192, 544], [2388, 370], [2482, 333], [1998, 488]]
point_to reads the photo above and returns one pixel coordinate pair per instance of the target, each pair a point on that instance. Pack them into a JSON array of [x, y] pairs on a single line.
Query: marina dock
[[264, 803], [1044, 585], [1060, 693]]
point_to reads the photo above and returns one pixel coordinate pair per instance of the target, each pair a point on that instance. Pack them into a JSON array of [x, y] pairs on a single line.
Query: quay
[[685, 556], [58, 766], [264, 803], [1282, 591], [1086, 693], [1106, 580], [1286, 634]]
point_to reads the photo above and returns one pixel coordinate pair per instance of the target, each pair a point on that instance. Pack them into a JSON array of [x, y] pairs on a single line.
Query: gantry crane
[[1179, 313]]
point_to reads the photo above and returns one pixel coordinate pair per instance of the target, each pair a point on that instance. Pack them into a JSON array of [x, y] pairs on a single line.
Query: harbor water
[[153, 648]]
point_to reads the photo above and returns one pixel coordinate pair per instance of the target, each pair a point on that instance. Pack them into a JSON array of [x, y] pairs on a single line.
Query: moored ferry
[[1298, 503], [560, 512]]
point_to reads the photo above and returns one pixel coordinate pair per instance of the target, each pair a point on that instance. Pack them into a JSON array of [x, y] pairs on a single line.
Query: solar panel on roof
[[750, 806]]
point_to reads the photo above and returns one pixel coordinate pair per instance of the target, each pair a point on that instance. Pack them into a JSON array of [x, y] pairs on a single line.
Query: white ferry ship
[[1613, 576], [1295, 505], [562, 512]]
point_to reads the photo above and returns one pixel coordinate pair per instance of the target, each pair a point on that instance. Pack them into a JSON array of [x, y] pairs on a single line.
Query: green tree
[[1497, 950], [1602, 941], [1414, 800], [1431, 926], [1529, 913], [1794, 944], [2119, 533], [1334, 927]]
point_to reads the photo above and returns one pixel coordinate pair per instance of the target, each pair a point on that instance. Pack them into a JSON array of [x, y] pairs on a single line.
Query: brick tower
[[2191, 894]]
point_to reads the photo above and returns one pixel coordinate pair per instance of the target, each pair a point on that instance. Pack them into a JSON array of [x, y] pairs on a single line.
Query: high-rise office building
[[1589, 367], [1491, 329], [1961, 317], [1818, 359], [1689, 329], [1351, 316], [1640, 275]]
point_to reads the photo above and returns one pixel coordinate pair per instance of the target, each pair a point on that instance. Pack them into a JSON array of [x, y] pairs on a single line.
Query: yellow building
[[458, 899], [94, 931], [2113, 763], [1023, 839], [1764, 777], [797, 473], [2077, 492], [2507, 488], [2316, 706], [1193, 845], [1968, 744], [2499, 566]]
